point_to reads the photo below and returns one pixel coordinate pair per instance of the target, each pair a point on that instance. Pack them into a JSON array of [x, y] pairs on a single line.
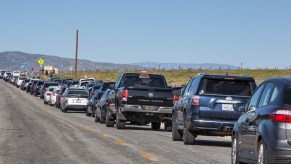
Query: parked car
[[6, 74], [105, 116], [262, 134], [141, 99], [59, 95], [48, 92], [2, 72], [53, 97], [45, 86], [94, 89], [24, 84], [19, 81], [71, 82], [74, 99], [92, 105], [32, 86], [100, 113], [37, 87], [210, 105]]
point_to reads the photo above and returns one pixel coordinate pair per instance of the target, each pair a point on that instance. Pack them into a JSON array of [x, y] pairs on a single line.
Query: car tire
[[188, 136], [156, 125], [108, 122], [41, 97], [102, 120], [234, 151], [87, 113], [176, 135], [261, 155], [119, 124], [44, 102], [93, 113], [168, 126], [97, 118]]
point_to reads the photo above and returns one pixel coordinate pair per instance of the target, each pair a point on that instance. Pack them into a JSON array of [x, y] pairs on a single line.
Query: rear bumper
[[139, 109], [76, 107], [280, 154], [216, 127]]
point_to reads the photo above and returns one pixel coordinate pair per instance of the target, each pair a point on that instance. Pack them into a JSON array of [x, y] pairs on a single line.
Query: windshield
[[149, 81], [226, 87], [79, 92], [107, 86]]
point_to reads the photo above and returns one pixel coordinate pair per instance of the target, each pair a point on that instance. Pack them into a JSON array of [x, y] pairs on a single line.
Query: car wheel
[[176, 135], [156, 125], [87, 113], [261, 153], [168, 126], [188, 136], [119, 124], [108, 122], [93, 113], [102, 120], [97, 118], [45, 102], [234, 151]]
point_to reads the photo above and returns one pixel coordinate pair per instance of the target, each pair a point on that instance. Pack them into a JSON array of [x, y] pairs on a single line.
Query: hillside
[[12, 60]]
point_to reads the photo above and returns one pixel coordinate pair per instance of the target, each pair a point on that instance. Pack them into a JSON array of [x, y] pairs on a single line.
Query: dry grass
[[180, 77]]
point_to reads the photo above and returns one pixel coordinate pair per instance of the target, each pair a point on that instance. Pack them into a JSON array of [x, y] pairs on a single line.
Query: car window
[[254, 100], [266, 95], [287, 96], [274, 94], [228, 87], [188, 86]]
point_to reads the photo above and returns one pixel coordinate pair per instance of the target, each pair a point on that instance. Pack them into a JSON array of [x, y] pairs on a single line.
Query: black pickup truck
[[140, 99]]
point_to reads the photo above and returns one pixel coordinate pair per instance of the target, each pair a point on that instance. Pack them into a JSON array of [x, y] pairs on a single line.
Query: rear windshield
[[8, 73], [84, 83], [287, 96], [107, 86], [226, 87], [51, 84], [96, 87], [143, 80], [34, 82], [40, 83], [78, 92], [75, 82]]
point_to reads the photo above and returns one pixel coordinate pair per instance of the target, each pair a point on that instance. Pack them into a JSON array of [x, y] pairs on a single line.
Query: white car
[[48, 93], [16, 73], [19, 81], [53, 97], [74, 99]]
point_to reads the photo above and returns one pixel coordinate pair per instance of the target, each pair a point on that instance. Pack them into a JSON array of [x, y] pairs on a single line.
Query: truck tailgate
[[150, 96]]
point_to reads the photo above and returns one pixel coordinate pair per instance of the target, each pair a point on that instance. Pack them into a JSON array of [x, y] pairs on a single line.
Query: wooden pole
[[76, 58]]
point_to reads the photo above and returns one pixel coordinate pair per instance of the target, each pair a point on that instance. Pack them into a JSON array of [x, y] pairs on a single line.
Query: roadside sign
[[40, 61], [23, 65]]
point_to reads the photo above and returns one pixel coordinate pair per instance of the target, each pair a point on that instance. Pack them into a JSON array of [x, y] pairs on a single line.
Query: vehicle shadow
[[220, 143], [141, 127]]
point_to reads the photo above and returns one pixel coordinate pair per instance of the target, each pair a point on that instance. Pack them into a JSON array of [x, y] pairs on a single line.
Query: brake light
[[176, 98], [144, 75], [281, 115], [97, 101], [106, 102], [124, 95], [48, 94], [94, 92], [196, 100]]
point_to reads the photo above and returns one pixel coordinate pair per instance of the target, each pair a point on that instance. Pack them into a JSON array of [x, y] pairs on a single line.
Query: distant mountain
[[12, 60], [169, 66]]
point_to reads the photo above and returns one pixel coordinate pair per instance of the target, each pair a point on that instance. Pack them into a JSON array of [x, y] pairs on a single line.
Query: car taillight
[[106, 102], [94, 92], [176, 98], [97, 101], [281, 115], [124, 95], [48, 94], [195, 101]]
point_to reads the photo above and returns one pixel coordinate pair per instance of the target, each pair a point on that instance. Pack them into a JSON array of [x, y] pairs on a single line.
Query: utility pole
[[76, 58]]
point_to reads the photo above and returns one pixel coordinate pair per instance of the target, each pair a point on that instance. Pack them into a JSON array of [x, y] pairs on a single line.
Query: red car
[[62, 90]]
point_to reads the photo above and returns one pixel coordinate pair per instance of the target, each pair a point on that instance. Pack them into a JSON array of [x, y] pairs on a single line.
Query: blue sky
[[254, 32]]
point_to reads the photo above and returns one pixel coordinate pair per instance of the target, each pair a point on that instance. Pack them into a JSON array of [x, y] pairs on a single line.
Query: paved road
[[31, 132]]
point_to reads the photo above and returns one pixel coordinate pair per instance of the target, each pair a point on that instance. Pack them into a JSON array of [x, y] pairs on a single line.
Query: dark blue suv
[[210, 105]]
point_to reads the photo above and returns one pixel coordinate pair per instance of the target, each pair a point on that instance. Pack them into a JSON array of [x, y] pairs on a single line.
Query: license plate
[[77, 101], [149, 108], [227, 107]]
